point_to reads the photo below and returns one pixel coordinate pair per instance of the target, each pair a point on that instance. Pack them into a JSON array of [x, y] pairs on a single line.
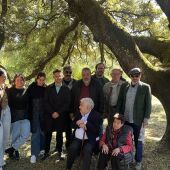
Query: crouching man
[[87, 125], [116, 145]]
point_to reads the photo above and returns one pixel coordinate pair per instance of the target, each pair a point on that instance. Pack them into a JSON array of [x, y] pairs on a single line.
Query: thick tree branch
[[53, 52], [108, 32], [153, 46], [165, 6]]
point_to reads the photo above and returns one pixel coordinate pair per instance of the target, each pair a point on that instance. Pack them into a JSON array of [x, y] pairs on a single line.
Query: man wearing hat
[[135, 103]]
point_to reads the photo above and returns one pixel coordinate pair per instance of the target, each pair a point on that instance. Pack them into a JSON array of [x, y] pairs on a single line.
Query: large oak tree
[[40, 31], [129, 50]]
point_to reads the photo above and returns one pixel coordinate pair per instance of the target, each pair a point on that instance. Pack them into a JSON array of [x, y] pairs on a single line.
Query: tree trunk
[[2, 22], [165, 141], [162, 92]]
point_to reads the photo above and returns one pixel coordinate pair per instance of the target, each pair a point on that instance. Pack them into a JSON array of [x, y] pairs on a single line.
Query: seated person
[[87, 125], [116, 144]]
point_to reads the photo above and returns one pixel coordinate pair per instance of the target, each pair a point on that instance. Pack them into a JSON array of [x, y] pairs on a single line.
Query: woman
[[5, 117], [36, 94], [116, 145], [18, 103]]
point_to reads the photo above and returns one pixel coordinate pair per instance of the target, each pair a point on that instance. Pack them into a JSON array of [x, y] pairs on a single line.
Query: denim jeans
[[5, 125], [138, 143], [37, 141], [6, 122], [20, 133], [1, 145]]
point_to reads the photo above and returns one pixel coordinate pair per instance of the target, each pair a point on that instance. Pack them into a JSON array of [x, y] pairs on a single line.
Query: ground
[[153, 159]]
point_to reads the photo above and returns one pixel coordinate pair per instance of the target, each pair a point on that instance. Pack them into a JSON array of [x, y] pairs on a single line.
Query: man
[[87, 87], [87, 125], [57, 102], [67, 79], [69, 82], [111, 93], [99, 74], [135, 103]]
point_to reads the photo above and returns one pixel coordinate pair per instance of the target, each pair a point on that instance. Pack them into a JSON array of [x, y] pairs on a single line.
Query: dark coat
[[142, 104], [18, 103], [102, 81], [56, 103], [96, 94], [94, 121], [36, 106]]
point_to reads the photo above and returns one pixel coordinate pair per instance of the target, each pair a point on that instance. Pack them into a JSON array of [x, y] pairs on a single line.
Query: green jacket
[[142, 104]]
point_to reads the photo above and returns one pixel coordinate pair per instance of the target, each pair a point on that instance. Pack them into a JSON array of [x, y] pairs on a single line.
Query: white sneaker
[[42, 152], [33, 159], [138, 166]]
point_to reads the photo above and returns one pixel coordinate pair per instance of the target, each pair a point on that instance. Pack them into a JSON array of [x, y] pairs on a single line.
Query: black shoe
[[17, 155], [46, 155], [10, 152]]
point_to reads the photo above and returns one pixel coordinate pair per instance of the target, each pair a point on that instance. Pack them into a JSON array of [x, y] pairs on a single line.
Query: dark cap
[[134, 71]]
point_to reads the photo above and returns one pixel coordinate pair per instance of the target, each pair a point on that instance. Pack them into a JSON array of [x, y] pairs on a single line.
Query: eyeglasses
[[135, 75], [68, 72]]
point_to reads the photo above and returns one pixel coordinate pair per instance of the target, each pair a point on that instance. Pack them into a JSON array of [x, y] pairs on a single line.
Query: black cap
[[134, 71]]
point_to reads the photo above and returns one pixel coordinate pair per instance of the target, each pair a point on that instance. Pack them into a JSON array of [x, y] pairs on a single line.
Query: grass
[[153, 160]]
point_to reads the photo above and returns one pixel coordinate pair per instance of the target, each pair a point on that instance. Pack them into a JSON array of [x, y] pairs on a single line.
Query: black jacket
[[56, 103], [96, 94], [36, 106], [18, 103], [94, 121]]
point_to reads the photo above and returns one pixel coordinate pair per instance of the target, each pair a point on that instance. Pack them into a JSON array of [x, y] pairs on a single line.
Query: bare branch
[[101, 48], [70, 48], [153, 46], [129, 13], [53, 52]]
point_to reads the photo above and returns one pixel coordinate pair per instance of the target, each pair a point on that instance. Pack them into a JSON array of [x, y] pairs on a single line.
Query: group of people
[[78, 108]]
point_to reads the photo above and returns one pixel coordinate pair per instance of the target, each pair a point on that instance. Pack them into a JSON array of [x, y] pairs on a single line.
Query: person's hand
[[115, 152], [83, 125], [55, 115], [145, 122], [79, 122], [105, 149]]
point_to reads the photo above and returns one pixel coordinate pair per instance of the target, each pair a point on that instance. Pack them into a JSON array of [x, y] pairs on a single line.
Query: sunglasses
[[68, 72], [136, 75]]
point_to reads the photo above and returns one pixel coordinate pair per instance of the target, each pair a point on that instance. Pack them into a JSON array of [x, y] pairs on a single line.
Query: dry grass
[[153, 160]]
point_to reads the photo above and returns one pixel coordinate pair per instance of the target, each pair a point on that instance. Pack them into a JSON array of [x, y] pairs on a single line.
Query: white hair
[[89, 101]]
